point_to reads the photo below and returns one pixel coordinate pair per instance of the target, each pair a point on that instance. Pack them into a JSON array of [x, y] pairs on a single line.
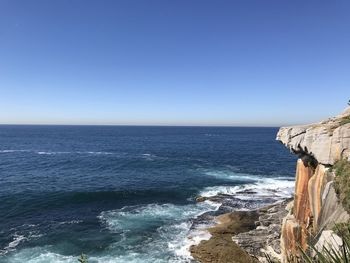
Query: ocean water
[[127, 194]]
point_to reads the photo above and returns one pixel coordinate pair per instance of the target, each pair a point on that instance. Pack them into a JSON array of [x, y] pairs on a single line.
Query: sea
[[128, 193]]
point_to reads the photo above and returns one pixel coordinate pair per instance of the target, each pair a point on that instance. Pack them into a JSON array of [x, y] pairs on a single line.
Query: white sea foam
[[70, 222], [77, 152], [17, 239], [40, 255], [135, 218], [172, 225], [97, 153], [172, 234], [51, 153], [149, 156], [13, 151], [58, 152], [269, 187], [229, 174]]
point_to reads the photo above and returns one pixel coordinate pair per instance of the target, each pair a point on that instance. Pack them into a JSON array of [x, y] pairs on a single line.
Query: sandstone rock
[[266, 237], [301, 210], [220, 248], [316, 208], [291, 238], [327, 141], [237, 239], [316, 186], [294, 232], [332, 212], [329, 240]]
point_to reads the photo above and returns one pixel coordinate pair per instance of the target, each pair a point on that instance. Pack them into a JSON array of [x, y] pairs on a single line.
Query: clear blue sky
[[183, 62]]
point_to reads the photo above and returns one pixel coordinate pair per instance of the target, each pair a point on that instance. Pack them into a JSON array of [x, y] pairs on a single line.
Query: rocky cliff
[[316, 208]]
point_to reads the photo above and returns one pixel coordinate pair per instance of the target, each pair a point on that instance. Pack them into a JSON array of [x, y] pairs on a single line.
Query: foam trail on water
[[264, 188]]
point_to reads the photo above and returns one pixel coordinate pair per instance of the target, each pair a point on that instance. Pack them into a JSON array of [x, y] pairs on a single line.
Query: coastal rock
[[265, 238], [315, 189], [332, 211], [316, 208], [328, 240], [243, 236], [327, 141], [295, 225], [301, 209], [291, 237], [220, 248]]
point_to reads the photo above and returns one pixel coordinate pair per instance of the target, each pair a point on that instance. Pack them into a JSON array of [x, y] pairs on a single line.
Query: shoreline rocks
[[243, 236]]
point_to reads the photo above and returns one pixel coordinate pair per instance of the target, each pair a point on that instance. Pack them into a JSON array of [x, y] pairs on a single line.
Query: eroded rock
[[327, 141]]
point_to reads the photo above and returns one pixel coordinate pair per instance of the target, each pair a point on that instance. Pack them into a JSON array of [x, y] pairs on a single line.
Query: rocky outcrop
[[220, 248], [243, 236], [316, 208], [327, 141], [265, 238]]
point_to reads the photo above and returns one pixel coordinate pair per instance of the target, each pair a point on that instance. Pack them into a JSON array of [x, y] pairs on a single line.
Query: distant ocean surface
[[126, 194]]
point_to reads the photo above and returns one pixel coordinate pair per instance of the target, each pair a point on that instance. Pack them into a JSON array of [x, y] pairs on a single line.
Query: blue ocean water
[[126, 194]]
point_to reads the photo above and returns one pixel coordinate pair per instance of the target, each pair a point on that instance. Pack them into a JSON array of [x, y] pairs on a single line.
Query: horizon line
[[149, 125]]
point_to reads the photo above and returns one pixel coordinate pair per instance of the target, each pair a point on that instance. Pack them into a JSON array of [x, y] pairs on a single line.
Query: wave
[[40, 255], [13, 151], [135, 218], [172, 234], [58, 152], [70, 222], [155, 232], [18, 239], [268, 188], [231, 175], [148, 233], [14, 243], [76, 152]]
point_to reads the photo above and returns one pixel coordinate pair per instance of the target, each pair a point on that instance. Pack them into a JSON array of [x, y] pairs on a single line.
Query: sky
[[179, 62]]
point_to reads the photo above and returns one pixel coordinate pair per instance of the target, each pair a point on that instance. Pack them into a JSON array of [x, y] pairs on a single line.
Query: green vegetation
[[344, 120], [342, 182], [342, 229], [331, 255], [326, 254], [83, 259]]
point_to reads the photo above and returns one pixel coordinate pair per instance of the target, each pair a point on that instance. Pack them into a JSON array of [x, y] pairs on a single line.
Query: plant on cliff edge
[[342, 182], [329, 254]]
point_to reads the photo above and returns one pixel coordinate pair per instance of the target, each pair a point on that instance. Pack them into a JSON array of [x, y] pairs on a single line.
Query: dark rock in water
[[247, 192], [220, 248], [242, 236], [265, 238], [204, 219], [216, 198], [201, 198]]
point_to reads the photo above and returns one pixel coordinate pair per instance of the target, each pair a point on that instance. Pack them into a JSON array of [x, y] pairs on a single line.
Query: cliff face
[[327, 141], [316, 208]]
